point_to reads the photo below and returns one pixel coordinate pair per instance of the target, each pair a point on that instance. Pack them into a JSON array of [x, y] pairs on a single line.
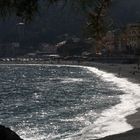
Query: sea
[[63, 102]]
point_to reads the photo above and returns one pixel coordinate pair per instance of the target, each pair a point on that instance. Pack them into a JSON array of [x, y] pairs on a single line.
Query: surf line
[[115, 118], [112, 120]]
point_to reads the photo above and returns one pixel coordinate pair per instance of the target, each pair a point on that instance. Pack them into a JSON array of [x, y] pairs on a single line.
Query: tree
[[97, 26], [95, 10], [26, 9]]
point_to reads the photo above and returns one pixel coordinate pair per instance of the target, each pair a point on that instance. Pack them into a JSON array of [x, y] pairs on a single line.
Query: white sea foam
[[71, 80], [67, 80], [113, 121]]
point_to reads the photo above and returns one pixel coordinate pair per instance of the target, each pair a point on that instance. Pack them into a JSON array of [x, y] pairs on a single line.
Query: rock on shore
[[7, 134]]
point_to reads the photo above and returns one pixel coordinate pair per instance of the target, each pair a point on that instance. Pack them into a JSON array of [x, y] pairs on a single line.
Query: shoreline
[[129, 71]]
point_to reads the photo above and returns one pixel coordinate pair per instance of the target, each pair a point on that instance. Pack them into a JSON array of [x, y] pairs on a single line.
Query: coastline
[[128, 71], [132, 73]]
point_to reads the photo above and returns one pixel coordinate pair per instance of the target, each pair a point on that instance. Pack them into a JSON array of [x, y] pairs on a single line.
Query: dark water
[[52, 102]]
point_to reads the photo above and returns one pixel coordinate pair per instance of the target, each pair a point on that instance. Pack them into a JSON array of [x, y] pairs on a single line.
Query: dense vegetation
[[25, 10], [41, 29]]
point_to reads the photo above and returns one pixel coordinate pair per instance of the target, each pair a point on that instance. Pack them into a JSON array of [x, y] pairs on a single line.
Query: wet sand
[[130, 135], [129, 71]]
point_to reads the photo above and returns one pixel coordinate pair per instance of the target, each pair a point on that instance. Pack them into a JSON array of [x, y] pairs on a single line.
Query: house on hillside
[[109, 42], [72, 47], [133, 37]]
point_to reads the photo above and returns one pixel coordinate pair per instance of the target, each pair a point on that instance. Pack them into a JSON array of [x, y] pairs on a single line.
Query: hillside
[[50, 25]]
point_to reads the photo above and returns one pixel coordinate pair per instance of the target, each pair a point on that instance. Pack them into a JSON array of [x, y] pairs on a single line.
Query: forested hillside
[[49, 25]]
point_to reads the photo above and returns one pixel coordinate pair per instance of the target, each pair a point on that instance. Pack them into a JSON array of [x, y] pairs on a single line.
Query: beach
[[130, 135], [132, 73], [129, 71]]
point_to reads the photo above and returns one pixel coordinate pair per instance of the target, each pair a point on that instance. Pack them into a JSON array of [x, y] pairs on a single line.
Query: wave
[[113, 120], [66, 80]]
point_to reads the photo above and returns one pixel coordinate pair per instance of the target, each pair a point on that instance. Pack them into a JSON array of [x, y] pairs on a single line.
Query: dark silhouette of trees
[[26, 9], [97, 25]]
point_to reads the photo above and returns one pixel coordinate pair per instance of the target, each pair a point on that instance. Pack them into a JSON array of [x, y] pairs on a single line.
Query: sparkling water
[[44, 102]]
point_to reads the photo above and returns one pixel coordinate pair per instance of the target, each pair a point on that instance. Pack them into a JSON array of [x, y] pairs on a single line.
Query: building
[[122, 42], [133, 37], [110, 41]]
